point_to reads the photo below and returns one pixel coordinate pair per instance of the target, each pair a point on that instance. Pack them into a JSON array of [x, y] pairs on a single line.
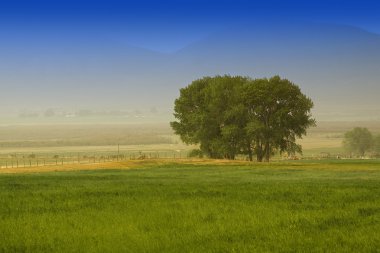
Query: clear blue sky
[[169, 25]]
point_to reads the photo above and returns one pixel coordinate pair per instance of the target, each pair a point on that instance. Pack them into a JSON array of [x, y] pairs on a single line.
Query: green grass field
[[328, 206]]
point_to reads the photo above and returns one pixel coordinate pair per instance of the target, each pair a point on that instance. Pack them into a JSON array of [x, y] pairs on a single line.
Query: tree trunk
[[259, 158], [250, 153], [259, 152], [259, 155], [267, 152]]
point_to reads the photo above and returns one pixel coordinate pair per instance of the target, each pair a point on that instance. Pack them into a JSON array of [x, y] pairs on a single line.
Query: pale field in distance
[[97, 139], [328, 136], [73, 140]]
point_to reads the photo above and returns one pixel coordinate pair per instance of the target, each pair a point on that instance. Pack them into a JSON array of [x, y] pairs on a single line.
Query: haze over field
[[189, 126], [95, 59]]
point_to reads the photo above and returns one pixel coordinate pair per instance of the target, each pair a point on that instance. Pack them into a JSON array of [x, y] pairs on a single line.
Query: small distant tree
[[358, 141], [376, 146], [49, 113]]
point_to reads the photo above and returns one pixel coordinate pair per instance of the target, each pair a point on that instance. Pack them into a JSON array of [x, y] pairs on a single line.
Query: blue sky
[[92, 54], [170, 25]]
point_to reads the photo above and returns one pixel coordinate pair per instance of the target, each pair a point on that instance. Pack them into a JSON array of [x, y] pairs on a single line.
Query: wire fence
[[23, 160], [19, 160]]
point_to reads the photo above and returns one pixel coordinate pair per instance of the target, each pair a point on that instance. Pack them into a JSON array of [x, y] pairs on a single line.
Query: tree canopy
[[231, 115], [359, 141], [376, 147]]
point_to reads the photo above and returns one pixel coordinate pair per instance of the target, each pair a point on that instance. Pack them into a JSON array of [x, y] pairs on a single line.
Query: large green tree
[[358, 141], [278, 114], [204, 113], [237, 115]]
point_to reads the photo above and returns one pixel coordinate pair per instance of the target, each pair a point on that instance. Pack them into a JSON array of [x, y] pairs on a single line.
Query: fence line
[[34, 160], [37, 160]]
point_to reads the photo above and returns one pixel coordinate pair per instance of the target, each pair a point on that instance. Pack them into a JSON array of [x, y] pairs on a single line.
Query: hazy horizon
[[126, 61]]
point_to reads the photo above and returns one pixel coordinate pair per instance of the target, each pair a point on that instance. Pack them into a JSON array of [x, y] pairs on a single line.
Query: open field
[[85, 143], [65, 135], [327, 137], [194, 206]]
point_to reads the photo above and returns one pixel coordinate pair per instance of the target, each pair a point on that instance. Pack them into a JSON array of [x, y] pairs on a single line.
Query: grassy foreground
[[280, 207]]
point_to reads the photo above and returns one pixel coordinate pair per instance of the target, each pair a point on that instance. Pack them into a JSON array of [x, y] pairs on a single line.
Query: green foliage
[[376, 147], [290, 207], [278, 113], [195, 153], [358, 141], [237, 115]]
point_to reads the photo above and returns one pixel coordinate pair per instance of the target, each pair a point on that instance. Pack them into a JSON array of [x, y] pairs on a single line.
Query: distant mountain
[[338, 66]]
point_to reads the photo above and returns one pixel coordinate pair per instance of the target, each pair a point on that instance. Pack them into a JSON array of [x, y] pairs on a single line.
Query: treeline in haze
[[360, 141]]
